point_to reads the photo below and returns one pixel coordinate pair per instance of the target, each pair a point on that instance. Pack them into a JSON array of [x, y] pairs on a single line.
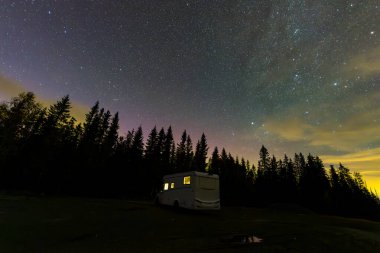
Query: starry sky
[[294, 75]]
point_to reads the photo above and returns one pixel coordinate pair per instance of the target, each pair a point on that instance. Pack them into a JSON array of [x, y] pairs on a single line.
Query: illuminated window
[[166, 186], [171, 185], [186, 180]]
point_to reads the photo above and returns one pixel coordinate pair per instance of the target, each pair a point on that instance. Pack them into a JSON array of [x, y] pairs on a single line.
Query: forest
[[46, 151]]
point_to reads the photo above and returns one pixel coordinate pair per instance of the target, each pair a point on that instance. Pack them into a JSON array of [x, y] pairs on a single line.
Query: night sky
[[294, 75]]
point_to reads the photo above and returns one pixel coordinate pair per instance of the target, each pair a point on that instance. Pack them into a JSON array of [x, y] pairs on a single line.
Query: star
[[226, 68]]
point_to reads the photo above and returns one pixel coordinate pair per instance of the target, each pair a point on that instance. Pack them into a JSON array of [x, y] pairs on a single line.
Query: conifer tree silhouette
[[47, 150], [200, 155]]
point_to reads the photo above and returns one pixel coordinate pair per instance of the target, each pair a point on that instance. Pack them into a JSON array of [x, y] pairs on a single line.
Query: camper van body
[[191, 190]]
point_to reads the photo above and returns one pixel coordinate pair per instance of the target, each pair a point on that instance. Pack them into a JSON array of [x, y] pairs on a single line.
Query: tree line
[[45, 150]]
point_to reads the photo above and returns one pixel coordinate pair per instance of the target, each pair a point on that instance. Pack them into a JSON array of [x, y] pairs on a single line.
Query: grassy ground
[[98, 225]]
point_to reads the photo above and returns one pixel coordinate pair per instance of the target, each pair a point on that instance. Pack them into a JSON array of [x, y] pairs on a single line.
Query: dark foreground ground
[[29, 224]]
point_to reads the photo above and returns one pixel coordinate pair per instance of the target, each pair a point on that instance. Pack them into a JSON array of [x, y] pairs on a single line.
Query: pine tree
[[214, 167], [111, 136], [151, 145], [58, 117], [181, 153], [18, 120], [200, 154], [152, 159], [160, 145], [251, 174], [18, 123], [335, 190], [104, 126], [137, 146], [91, 115], [88, 143], [314, 184], [135, 166], [264, 163], [273, 169], [161, 164], [250, 184], [299, 166], [129, 141], [167, 152], [189, 154], [288, 181]]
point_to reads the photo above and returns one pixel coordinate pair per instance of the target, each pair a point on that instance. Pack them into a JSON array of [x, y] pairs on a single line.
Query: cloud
[[292, 129], [367, 162], [355, 130], [346, 138], [353, 139], [365, 159], [10, 88], [365, 64]]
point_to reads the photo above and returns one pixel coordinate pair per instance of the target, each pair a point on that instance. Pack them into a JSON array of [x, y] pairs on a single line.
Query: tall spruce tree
[[111, 136], [214, 164], [151, 145], [161, 163], [18, 121], [152, 163], [263, 167], [299, 166], [262, 180], [168, 152], [189, 154], [200, 155], [314, 184], [137, 146], [181, 153], [88, 145]]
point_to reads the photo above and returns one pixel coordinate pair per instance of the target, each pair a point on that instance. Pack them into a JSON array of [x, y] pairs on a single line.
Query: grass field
[[30, 224]]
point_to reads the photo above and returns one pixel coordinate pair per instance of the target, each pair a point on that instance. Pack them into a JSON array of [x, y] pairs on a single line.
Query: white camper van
[[190, 190]]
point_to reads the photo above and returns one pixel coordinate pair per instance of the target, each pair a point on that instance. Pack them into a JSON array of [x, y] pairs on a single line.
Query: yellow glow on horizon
[[355, 131], [351, 136], [11, 88], [367, 162], [78, 111], [369, 156]]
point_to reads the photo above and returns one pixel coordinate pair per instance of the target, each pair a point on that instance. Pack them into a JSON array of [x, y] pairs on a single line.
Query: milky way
[[296, 76]]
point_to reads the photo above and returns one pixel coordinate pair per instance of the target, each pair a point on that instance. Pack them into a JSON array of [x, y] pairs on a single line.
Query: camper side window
[[186, 180], [166, 186], [171, 185]]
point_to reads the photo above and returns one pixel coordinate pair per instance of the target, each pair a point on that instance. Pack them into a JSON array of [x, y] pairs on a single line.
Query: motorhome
[[190, 190]]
